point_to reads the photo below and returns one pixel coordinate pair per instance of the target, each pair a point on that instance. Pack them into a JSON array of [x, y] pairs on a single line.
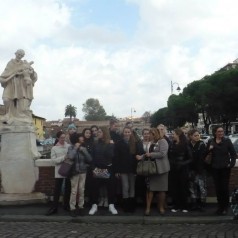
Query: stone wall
[[46, 181]]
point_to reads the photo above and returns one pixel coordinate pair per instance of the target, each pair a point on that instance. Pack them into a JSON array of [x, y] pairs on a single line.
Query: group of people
[[104, 163]]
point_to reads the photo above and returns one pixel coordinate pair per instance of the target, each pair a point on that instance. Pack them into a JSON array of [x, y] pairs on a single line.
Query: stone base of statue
[[22, 199], [17, 159]]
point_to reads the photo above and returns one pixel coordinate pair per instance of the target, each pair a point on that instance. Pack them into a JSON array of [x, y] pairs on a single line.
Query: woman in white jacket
[[58, 153]]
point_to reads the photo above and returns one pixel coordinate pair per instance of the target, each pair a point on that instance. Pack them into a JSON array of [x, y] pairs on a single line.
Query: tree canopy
[[214, 96], [70, 111], [93, 110]]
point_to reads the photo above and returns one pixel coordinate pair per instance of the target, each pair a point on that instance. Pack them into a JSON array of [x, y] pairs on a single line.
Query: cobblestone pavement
[[93, 230]]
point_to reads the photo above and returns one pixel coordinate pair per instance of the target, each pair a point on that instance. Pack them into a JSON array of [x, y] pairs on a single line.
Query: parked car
[[234, 141], [233, 136], [49, 141]]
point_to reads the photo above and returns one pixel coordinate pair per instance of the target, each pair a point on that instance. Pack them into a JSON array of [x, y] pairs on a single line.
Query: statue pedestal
[[18, 152], [22, 199]]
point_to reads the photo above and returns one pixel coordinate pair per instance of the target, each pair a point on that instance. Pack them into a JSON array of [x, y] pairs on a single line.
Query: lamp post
[[172, 87], [132, 110]]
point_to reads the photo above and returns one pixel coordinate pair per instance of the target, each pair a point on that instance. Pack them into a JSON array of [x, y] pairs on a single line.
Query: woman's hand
[[211, 147], [117, 175], [139, 157], [147, 154], [77, 145]]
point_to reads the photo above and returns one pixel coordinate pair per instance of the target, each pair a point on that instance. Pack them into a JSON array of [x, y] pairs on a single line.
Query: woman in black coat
[[102, 160], [125, 164], [223, 158], [180, 156]]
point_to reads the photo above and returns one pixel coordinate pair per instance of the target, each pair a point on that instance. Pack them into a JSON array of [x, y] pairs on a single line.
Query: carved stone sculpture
[[18, 80]]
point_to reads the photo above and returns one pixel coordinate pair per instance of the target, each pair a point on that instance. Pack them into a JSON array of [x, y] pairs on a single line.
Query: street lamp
[[132, 110], [172, 87]]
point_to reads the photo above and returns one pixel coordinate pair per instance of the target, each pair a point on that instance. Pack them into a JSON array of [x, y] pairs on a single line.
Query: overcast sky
[[123, 52]]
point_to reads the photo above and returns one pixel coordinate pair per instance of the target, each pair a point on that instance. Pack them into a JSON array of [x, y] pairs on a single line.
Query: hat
[[72, 126]]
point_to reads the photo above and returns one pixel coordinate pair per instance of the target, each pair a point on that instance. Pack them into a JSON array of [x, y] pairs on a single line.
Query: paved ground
[[30, 221], [91, 230]]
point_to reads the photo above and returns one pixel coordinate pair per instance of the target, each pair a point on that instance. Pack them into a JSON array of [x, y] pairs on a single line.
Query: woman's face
[[81, 139], [100, 134], [146, 135], [62, 139], [161, 130], [219, 132], [195, 137], [94, 131], [71, 131], [126, 133], [87, 134]]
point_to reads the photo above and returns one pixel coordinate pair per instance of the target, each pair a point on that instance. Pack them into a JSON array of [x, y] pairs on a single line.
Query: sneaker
[[112, 209], [174, 210], [184, 211], [93, 210]]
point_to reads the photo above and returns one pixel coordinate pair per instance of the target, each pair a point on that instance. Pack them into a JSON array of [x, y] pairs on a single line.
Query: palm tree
[[70, 111]]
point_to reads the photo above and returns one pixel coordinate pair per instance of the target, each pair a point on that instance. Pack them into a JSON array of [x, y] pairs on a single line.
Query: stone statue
[[18, 80]]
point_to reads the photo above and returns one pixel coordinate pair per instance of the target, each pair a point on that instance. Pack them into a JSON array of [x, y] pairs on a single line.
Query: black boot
[[132, 205], [201, 205], [125, 204], [193, 204], [52, 211]]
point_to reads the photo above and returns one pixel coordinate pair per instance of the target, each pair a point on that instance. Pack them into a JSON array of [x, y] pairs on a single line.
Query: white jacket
[[58, 153]]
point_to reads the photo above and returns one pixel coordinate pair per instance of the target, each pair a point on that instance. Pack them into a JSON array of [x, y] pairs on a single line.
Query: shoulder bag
[[146, 167], [65, 168], [101, 173]]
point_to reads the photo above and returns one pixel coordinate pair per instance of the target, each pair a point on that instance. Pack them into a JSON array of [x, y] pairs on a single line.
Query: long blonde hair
[[156, 133]]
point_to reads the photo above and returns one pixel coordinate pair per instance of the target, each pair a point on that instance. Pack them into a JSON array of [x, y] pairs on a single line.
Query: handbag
[[101, 173], [65, 168], [146, 167]]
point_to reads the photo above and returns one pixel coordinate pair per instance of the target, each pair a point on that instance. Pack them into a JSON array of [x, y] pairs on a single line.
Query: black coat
[[102, 155], [199, 151], [223, 153], [180, 156], [124, 161]]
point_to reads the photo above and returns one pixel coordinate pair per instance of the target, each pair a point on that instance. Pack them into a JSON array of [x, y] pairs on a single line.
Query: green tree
[[146, 116], [181, 109], [216, 97], [160, 117], [93, 110], [70, 111]]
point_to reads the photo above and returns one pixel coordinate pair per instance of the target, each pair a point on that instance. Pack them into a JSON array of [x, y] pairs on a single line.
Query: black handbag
[[146, 167]]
